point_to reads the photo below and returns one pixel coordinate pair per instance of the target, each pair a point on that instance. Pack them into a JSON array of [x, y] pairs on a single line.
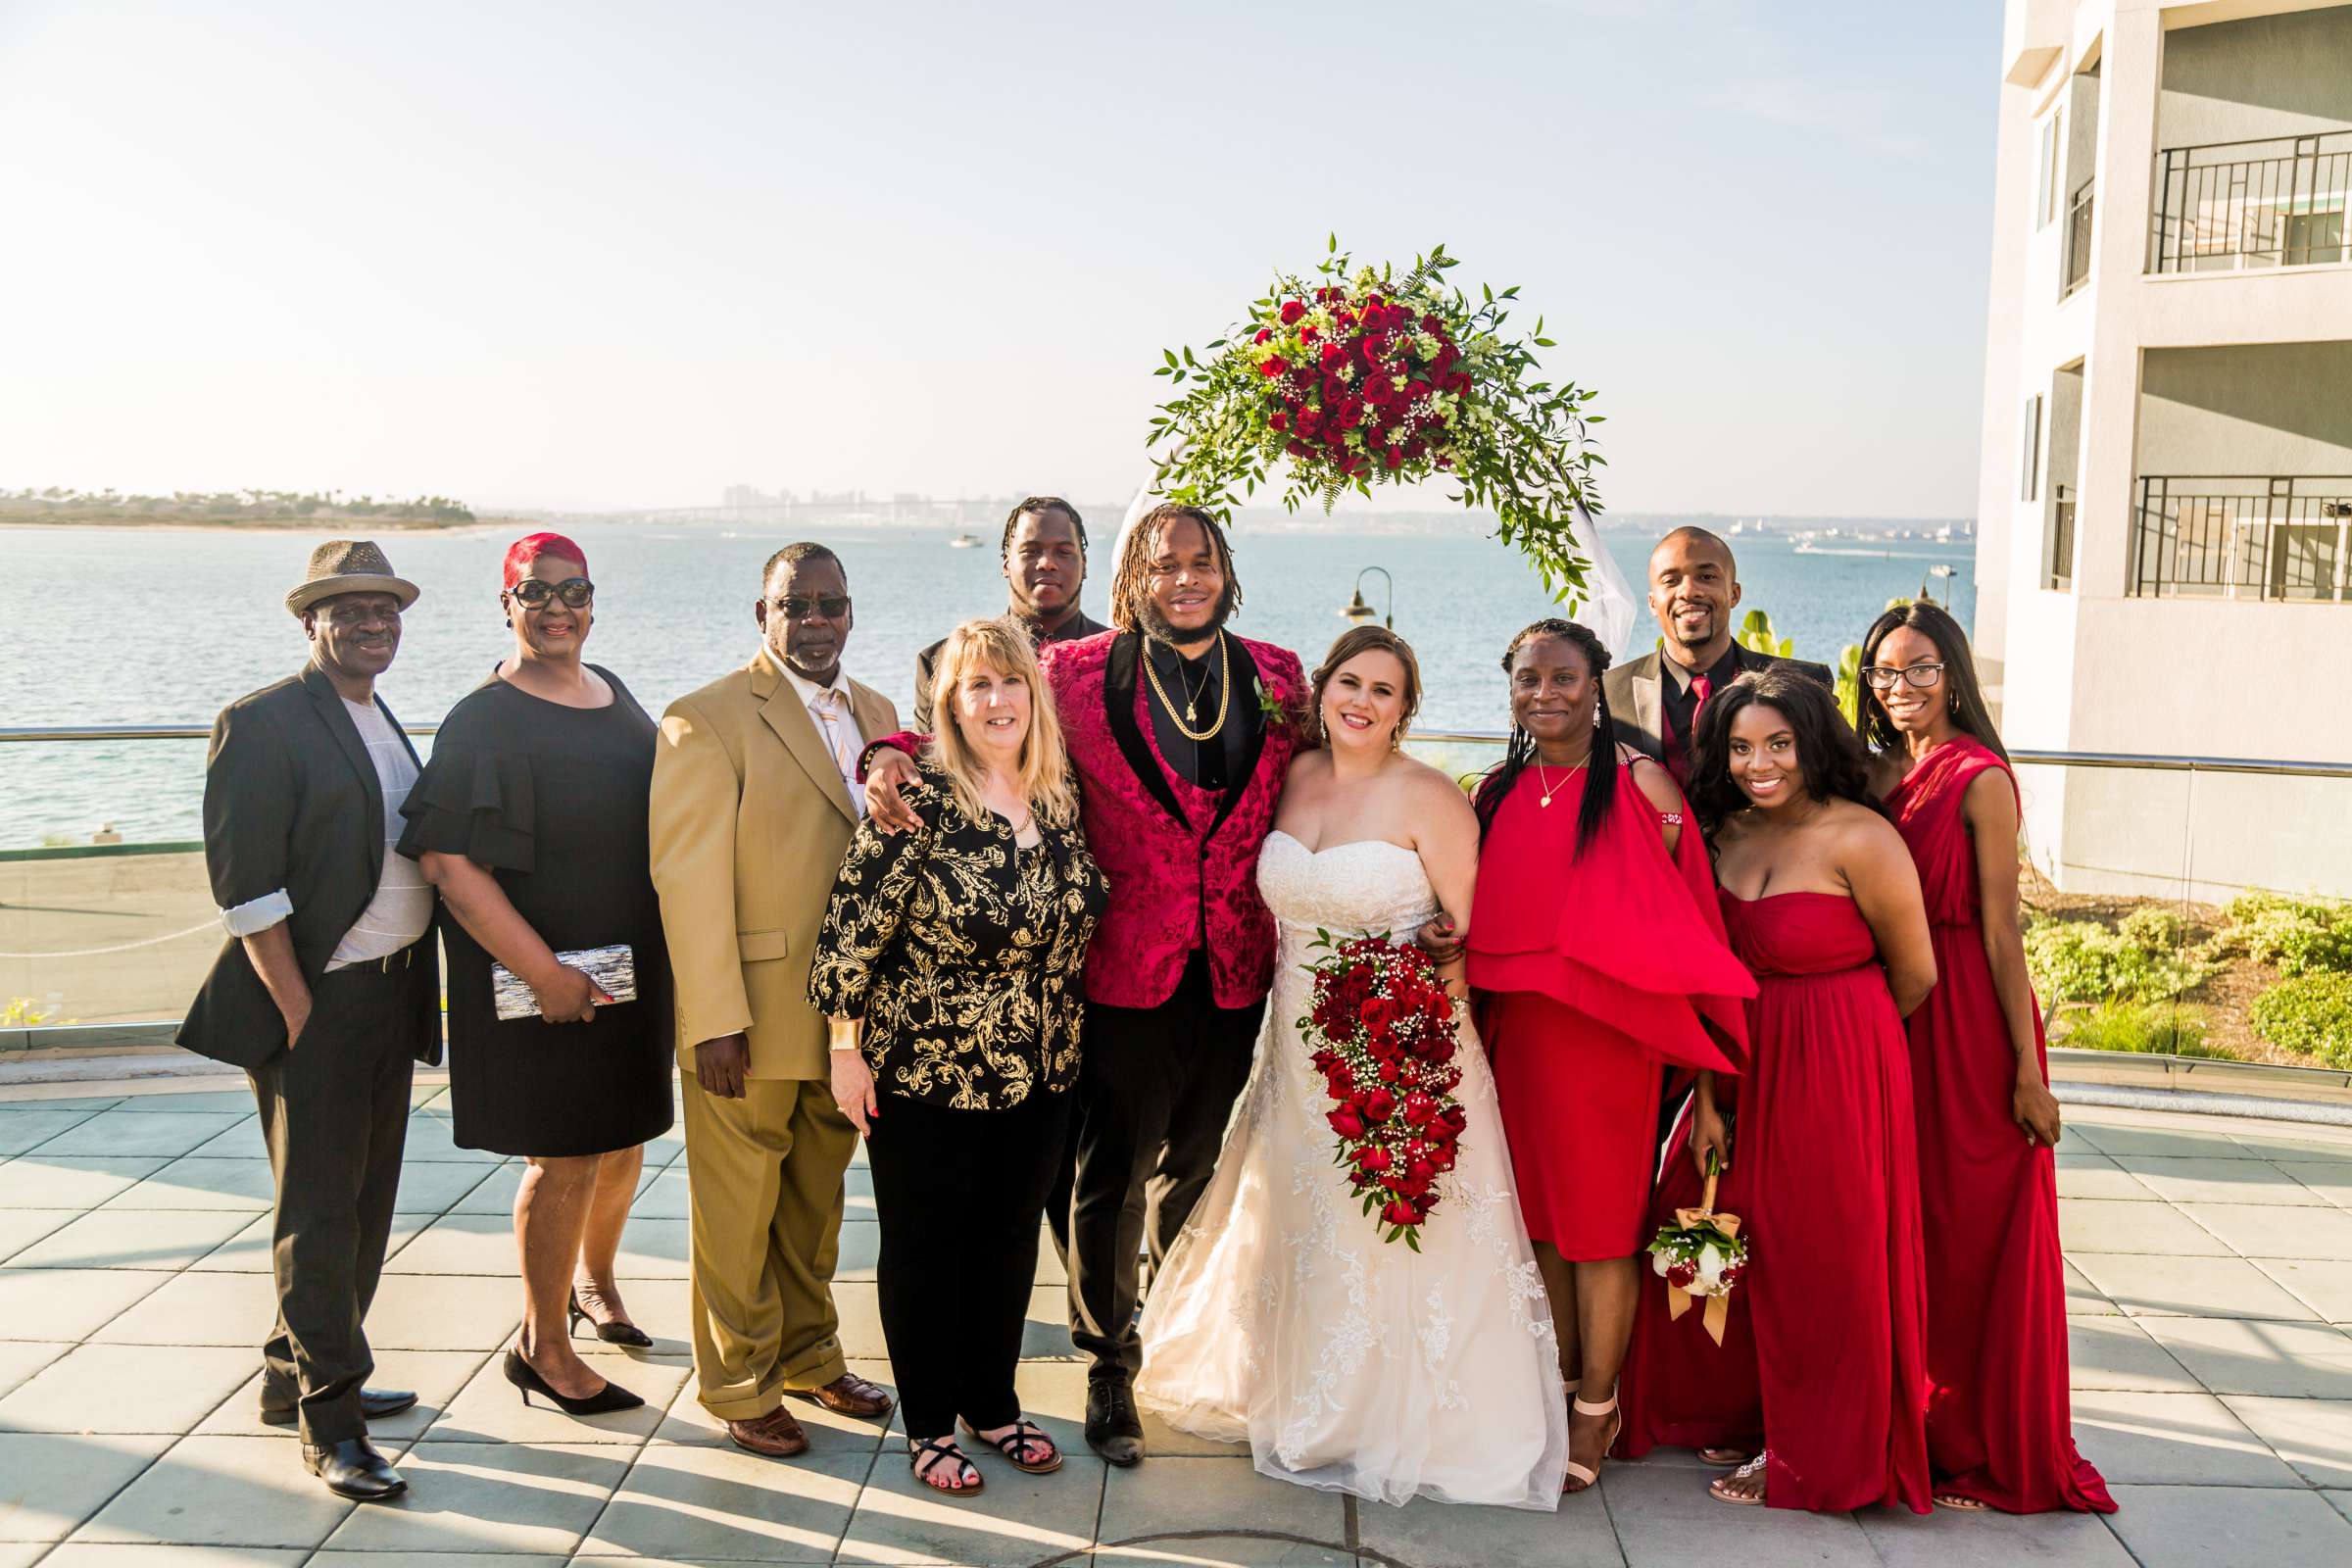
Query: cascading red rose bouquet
[[1383, 1027], [1360, 375]]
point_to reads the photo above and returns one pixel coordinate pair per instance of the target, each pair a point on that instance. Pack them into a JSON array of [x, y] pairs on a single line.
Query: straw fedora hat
[[348, 567]]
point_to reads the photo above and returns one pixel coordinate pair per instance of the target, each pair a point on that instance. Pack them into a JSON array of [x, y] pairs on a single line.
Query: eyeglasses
[[832, 607], [534, 593], [1882, 677]]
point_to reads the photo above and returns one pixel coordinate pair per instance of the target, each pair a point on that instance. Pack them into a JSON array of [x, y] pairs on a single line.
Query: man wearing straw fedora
[[327, 991]]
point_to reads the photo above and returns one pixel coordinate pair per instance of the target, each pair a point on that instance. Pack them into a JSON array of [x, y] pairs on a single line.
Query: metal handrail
[[2232, 212], [1457, 737]]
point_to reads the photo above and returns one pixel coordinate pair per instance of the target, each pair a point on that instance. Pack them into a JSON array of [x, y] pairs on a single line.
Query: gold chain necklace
[[1184, 725], [1548, 787]]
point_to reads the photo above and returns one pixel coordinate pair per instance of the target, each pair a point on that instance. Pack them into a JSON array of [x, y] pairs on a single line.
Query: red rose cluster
[[1385, 1031], [1333, 391]]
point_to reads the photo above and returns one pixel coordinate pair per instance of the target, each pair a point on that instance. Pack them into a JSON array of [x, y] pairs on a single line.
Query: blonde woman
[[949, 966]]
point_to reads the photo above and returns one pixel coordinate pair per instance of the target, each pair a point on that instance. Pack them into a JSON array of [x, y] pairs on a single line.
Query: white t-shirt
[[402, 911]]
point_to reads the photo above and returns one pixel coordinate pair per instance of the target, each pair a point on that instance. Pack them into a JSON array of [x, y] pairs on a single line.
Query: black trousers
[[1155, 1088], [957, 1194], [334, 1114]]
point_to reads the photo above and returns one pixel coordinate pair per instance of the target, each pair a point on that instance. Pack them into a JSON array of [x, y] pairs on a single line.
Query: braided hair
[[1600, 767]]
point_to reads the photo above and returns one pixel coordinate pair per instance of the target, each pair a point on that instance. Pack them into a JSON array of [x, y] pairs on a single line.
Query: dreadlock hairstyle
[[1131, 573], [1829, 753], [1600, 769], [1970, 714]]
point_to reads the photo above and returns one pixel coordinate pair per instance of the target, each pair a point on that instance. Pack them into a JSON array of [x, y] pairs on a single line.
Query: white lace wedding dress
[[1282, 1320]]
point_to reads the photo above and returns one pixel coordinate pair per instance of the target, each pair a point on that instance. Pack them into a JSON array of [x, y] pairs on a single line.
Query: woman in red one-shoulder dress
[[1822, 903], [2000, 1428], [1597, 955]]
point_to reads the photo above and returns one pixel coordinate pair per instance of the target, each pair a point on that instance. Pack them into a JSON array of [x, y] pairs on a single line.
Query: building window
[[2029, 484], [2050, 169]]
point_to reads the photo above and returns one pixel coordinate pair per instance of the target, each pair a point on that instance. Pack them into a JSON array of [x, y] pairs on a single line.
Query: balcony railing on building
[[2238, 205], [2239, 537], [2077, 271]]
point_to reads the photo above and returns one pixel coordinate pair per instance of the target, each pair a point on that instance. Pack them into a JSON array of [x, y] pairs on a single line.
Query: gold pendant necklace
[[1184, 725], [1543, 783]]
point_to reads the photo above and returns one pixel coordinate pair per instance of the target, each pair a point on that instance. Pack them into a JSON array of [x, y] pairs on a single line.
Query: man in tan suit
[[752, 812]]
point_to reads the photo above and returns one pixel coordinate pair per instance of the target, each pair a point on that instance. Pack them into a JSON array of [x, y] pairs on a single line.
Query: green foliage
[[2143, 1028], [1849, 683], [2299, 936], [2153, 928], [2310, 1014], [2081, 960], [1757, 636]]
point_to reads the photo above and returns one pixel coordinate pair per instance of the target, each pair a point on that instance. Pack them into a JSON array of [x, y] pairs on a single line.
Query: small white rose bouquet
[[1700, 1257]]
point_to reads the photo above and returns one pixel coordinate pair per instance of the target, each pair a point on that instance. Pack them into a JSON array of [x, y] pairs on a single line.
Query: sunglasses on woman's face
[[532, 593]]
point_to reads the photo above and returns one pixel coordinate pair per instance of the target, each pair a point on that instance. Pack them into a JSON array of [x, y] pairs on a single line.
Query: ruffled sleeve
[[473, 799]]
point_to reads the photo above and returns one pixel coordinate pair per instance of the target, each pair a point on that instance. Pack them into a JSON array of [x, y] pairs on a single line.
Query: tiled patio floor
[[2209, 1266]]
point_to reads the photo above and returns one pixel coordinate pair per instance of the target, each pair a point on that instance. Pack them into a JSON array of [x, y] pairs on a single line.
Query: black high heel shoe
[[527, 1382], [629, 1334]]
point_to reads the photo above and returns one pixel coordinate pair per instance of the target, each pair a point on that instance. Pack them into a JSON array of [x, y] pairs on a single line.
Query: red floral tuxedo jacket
[[1181, 860]]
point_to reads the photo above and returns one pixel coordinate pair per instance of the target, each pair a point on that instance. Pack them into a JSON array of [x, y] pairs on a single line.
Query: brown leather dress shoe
[[849, 1395], [776, 1435]]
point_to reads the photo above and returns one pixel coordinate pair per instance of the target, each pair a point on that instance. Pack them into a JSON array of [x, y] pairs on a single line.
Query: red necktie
[[1701, 689], [1678, 747]]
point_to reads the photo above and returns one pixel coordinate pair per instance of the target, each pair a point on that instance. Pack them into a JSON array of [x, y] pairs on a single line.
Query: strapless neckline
[[1334, 849]]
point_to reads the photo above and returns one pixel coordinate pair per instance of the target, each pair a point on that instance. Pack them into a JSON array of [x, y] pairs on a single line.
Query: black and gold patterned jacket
[[962, 952]]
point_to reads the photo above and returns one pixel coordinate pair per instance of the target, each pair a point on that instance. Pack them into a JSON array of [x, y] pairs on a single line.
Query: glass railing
[[2185, 913]]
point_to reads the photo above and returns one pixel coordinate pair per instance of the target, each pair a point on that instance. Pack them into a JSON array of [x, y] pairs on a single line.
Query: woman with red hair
[[531, 820]]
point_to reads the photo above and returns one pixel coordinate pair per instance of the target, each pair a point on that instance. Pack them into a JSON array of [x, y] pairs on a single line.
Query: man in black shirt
[[1657, 700], [1043, 553]]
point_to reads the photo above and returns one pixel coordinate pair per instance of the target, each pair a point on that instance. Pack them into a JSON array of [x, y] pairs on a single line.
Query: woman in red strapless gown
[[1828, 1326], [2000, 1430], [1597, 955]]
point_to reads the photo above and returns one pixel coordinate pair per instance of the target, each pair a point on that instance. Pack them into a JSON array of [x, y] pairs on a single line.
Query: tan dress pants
[[766, 1173]]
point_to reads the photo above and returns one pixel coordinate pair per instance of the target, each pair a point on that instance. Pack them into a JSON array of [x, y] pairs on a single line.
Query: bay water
[[151, 626]]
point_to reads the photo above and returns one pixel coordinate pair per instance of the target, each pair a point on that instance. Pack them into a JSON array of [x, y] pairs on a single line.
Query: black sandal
[[1025, 1436], [924, 1457]]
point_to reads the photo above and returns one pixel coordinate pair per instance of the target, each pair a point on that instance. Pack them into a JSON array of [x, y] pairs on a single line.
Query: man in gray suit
[[1656, 700]]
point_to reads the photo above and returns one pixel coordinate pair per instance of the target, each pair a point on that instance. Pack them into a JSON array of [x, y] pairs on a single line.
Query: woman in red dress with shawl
[[1599, 954], [2000, 1424], [1825, 1357]]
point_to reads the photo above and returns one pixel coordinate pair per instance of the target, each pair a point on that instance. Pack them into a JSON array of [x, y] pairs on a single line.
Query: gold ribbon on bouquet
[[1719, 1307]]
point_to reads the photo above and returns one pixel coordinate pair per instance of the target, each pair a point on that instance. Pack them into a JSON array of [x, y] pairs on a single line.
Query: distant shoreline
[[329, 526]]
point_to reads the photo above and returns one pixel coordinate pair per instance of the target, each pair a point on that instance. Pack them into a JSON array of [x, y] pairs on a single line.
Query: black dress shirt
[[1224, 756], [1678, 704]]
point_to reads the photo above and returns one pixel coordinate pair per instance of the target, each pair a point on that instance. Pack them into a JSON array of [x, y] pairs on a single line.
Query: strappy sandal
[[1582, 1475], [1025, 1437], [924, 1457], [1724, 1458], [1753, 1467]]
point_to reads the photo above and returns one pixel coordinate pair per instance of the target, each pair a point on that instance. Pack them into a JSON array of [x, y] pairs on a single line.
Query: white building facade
[[2164, 497]]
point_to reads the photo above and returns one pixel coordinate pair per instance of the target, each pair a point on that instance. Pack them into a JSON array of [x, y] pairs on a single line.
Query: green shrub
[[2081, 960], [2310, 1014], [2156, 1029], [2154, 929], [2300, 936]]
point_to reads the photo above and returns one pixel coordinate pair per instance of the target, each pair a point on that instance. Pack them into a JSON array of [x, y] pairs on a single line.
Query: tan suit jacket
[[750, 821]]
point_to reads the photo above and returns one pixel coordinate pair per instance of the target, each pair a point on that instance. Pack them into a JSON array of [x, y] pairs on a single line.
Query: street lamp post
[[1357, 611]]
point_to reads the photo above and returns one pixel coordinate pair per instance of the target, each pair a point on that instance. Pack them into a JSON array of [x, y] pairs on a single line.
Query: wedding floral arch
[[1356, 376]]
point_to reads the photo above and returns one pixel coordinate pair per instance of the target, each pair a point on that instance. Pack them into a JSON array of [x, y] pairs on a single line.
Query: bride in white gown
[[1281, 1317]]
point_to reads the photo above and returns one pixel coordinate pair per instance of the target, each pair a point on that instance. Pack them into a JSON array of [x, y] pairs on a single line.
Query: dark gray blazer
[[1632, 689], [290, 801]]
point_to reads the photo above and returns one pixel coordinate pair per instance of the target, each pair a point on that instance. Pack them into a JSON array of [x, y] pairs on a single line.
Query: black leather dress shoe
[[1113, 1430], [376, 1404], [353, 1469]]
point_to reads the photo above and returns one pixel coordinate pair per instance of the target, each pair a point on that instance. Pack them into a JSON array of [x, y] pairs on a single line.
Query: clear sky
[[577, 255]]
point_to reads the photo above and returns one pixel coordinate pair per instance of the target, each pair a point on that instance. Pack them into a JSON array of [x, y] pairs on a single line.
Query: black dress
[[551, 802]]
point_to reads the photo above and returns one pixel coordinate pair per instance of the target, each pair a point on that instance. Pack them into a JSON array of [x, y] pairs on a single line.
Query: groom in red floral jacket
[[1181, 734]]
